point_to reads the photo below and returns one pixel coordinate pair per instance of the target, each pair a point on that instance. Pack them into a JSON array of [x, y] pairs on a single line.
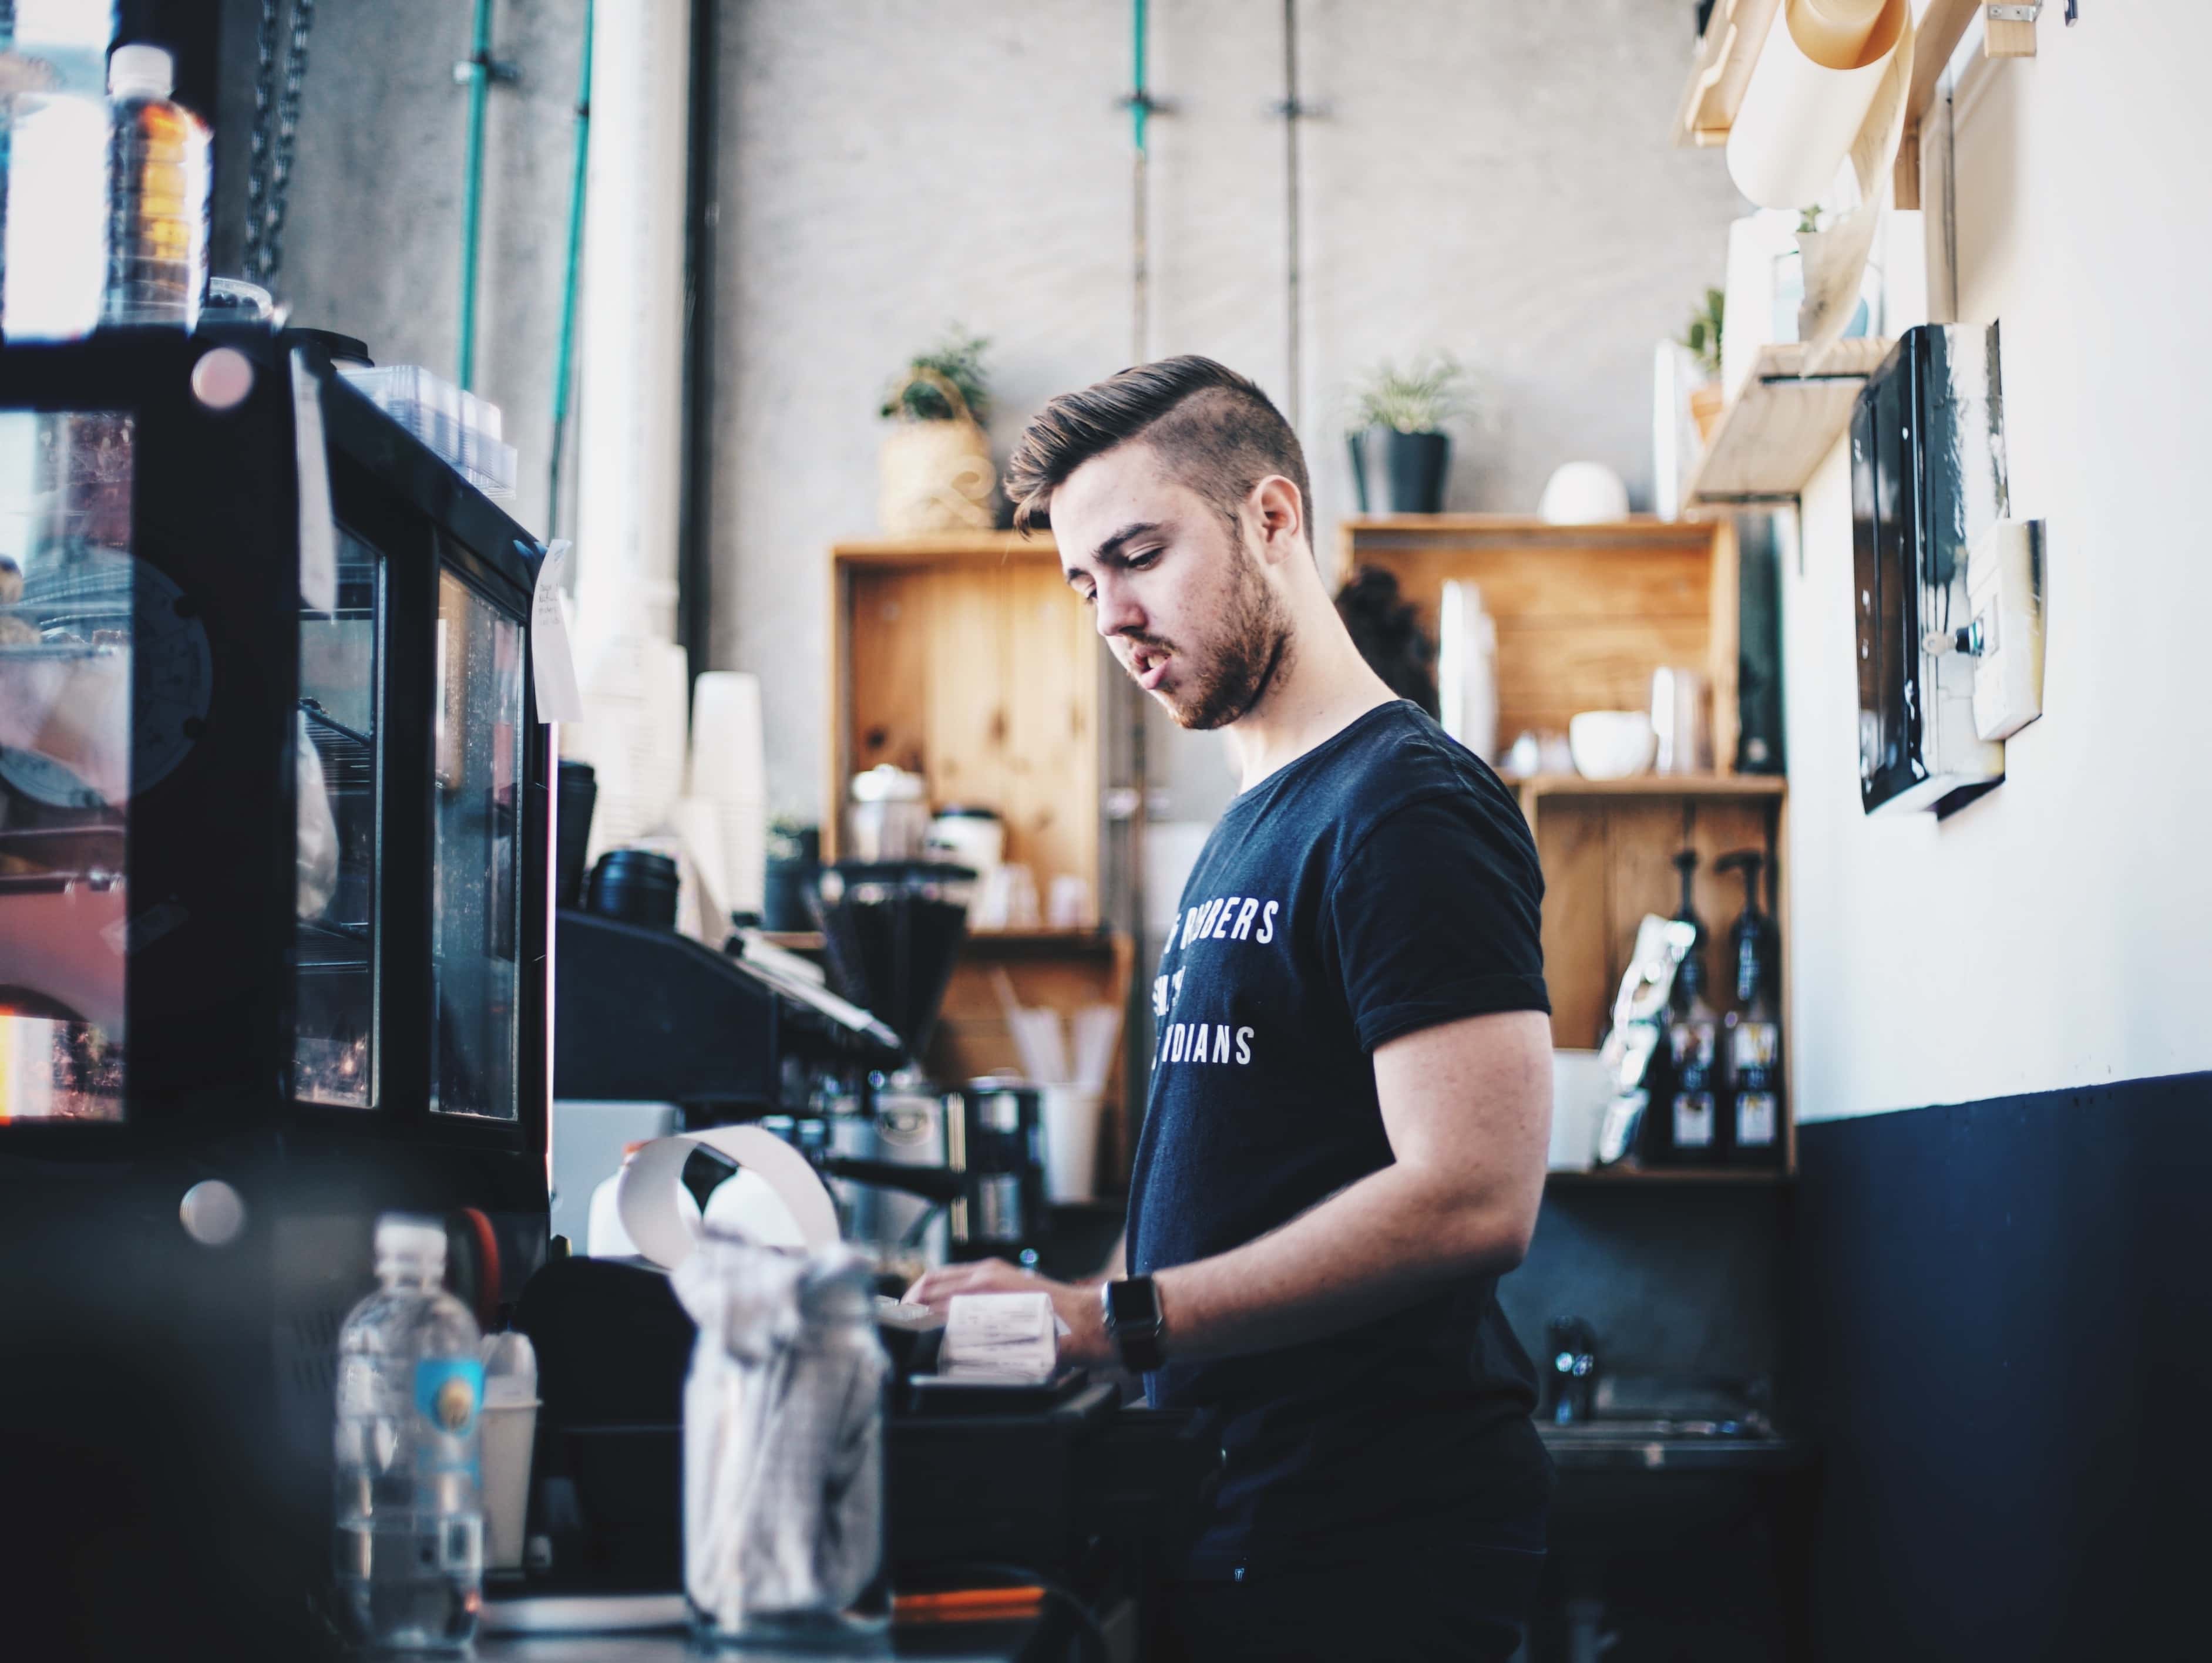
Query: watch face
[[1132, 1302]]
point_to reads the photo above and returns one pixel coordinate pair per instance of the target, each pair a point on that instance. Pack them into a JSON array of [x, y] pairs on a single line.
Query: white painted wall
[[2058, 931]]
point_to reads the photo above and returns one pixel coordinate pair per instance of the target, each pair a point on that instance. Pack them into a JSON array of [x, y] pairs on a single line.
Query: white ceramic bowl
[[1612, 745], [1583, 494]]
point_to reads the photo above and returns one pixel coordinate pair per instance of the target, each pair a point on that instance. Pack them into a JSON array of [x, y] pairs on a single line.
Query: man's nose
[[1118, 611]]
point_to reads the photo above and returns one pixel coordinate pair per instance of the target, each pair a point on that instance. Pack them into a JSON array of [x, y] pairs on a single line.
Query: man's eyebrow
[[1109, 553]]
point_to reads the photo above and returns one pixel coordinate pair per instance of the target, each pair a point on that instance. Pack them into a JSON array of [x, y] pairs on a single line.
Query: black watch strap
[[1135, 1323]]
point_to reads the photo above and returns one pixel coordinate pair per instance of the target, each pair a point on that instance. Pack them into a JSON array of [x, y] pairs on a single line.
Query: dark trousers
[[1467, 1607]]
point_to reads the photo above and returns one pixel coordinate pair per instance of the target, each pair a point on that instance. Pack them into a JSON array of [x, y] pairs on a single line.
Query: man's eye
[[1088, 596], [1139, 562]]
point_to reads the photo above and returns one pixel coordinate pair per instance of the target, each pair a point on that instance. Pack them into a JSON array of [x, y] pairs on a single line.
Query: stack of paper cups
[[633, 735], [728, 774]]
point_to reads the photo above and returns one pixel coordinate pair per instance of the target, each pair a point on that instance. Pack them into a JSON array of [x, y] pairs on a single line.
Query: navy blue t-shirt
[[1382, 883]]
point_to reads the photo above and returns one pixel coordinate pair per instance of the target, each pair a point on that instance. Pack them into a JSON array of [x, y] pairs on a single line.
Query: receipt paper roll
[[1799, 117], [655, 1208]]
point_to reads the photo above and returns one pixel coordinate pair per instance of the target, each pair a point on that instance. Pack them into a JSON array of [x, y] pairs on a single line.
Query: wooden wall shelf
[[1614, 1177], [1727, 52], [1782, 423], [1652, 785]]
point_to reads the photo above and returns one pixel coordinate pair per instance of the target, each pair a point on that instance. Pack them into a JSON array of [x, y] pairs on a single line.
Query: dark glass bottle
[[1755, 1029], [1694, 1110]]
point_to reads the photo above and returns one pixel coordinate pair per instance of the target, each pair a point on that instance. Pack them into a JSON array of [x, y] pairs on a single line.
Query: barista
[[1343, 1145]]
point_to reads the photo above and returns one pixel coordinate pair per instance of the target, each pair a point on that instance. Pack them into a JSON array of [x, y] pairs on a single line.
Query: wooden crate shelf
[[1782, 423], [1584, 613], [967, 658]]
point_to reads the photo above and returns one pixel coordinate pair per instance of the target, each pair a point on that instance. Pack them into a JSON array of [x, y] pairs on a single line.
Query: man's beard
[[1250, 646]]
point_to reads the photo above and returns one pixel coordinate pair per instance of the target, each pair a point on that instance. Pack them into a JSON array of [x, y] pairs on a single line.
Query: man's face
[[1181, 599]]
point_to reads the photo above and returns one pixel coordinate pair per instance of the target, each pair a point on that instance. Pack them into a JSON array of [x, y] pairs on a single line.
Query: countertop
[[977, 1643]]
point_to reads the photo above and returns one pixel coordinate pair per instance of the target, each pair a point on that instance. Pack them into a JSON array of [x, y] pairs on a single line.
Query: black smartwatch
[[1133, 1322]]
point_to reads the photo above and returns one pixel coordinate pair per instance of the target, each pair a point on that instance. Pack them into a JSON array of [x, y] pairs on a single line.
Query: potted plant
[[1400, 451], [935, 472], [1702, 339]]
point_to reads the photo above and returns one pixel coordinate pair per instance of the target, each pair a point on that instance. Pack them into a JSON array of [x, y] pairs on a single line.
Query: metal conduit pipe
[[564, 356], [477, 71]]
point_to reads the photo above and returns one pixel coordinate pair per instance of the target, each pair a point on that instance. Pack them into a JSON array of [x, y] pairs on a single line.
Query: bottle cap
[[141, 71], [405, 1236]]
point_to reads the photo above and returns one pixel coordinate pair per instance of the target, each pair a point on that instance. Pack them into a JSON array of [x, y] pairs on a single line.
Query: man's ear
[[1279, 517]]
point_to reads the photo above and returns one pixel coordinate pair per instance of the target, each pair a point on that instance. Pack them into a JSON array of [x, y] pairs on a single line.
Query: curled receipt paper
[[773, 1180], [1002, 1336]]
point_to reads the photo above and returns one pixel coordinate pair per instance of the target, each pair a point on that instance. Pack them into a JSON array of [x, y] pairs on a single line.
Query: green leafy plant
[[1702, 337], [959, 359], [1420, 398]]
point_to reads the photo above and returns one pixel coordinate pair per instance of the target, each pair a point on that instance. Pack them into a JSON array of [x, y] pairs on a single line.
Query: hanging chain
[[276, 127]]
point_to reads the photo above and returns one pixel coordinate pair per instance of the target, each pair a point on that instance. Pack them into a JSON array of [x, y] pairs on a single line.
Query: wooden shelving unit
[[1585, 614], [967, 660], [965, 657], [1781, 423]]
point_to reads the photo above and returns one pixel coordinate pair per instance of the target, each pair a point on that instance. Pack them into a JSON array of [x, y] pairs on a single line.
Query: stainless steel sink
[[1656, 1442]]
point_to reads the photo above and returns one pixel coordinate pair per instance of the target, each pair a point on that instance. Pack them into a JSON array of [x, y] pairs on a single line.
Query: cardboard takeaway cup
[[509, 1430], [1070, 1141]]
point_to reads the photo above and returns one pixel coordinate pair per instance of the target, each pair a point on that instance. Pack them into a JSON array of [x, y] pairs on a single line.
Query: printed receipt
[[1013, 1336], [558, 700]]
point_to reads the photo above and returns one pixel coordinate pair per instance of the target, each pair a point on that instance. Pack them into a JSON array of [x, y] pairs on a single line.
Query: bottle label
[[448, 1391], [1693, 1120], [1757, 1115]]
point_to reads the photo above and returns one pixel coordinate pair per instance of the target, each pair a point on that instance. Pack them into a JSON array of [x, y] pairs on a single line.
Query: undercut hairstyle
[[1213, 429]]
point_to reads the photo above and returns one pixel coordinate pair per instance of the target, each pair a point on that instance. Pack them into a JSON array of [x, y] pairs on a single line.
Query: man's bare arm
[[1468, 1109]]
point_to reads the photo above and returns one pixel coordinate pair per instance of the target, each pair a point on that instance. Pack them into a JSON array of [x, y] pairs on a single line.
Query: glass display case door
[[335, 1056], [74, 611], [476, 717]]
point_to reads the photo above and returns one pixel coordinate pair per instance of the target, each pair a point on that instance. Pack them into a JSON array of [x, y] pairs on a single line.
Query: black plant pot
[[1400, 473]]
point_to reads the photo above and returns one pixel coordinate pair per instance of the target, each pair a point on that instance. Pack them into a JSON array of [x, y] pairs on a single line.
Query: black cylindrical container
[[793, 858], [579, 795], [638, 886], [994, 1135], [1400, 473]]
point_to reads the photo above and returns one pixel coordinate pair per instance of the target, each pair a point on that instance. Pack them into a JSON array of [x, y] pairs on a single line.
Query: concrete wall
[[2052, 933], [1487, 178], [372, 244]]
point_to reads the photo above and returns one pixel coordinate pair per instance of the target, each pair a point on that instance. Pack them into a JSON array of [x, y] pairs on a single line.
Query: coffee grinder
[[890, 933]]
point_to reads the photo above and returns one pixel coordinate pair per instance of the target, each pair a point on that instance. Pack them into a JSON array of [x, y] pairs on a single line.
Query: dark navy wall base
[[2006, 1309]]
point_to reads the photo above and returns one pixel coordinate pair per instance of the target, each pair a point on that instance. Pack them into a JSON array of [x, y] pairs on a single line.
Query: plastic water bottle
[[410, 1537], [157, 196]]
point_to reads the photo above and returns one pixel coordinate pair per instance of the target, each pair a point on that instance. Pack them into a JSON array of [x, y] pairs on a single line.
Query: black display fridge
[[274, 891]]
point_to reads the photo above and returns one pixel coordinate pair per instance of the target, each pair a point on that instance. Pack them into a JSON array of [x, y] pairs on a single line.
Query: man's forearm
[[1373, 1247]]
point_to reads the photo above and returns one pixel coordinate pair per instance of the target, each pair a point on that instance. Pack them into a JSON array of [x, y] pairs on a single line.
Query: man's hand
[[1076, 1302]]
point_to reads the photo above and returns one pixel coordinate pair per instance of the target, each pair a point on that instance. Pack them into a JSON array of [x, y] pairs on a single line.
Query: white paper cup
[[1070, 1141], [508, 1432]]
